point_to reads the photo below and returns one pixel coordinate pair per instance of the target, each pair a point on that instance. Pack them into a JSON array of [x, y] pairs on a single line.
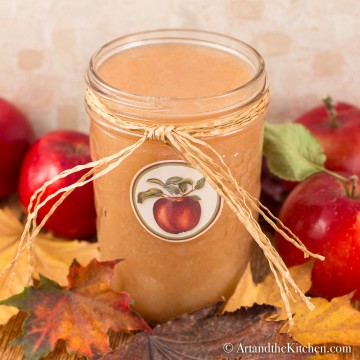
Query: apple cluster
[[324, 211], [27, 165]]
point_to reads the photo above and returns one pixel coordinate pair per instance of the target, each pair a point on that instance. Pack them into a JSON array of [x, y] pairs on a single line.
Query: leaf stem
[[335, 175], [345, 182], [189, 192]]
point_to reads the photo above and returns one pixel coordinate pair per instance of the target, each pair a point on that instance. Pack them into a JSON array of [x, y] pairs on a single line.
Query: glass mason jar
[[183, 247]]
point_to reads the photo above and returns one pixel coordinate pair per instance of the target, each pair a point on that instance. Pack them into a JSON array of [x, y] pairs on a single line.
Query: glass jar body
[[167, 276]]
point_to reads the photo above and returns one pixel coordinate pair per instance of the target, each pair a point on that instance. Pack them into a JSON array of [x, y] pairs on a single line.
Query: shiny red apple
[[48, 156], [16, 135], [337, 128], [177, 214], [325, 214]]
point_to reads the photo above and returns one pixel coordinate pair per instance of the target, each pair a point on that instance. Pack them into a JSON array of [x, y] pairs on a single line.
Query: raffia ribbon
[[186, 139]]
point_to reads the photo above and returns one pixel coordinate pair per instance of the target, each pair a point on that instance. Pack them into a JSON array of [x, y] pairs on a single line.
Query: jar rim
[[131, 103], [91, 71]]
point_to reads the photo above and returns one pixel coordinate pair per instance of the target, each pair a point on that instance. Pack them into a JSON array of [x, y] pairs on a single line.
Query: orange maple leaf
[[80, 314]]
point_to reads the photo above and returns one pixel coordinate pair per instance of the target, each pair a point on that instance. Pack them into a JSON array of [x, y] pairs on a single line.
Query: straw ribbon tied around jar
[[160, 133], [186, 140]]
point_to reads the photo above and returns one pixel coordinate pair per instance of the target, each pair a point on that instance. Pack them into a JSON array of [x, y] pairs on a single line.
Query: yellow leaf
[[331, 322], [247, 293], [52, 258]]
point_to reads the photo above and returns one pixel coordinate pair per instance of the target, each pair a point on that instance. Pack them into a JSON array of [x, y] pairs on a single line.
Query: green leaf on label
[[156, 181], [151, 193], [173, 180], [187, 181], [195, 197], [200, 184], [183, 187], [292, 152], [172, 189]]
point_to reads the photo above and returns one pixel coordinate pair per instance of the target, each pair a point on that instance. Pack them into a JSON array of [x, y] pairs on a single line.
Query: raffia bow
[[186, 139]]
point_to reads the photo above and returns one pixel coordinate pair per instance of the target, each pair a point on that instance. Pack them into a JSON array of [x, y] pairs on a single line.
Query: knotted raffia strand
[[186, 140]]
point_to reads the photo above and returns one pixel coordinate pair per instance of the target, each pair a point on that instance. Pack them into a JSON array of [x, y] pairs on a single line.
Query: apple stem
[[331, 111], [79, 148], [354, 183]]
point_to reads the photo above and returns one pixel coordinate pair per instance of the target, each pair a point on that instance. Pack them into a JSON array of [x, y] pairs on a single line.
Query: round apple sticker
[[173, 201]]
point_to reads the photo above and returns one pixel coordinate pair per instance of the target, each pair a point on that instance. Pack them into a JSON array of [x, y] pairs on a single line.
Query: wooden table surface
[[13, 328]]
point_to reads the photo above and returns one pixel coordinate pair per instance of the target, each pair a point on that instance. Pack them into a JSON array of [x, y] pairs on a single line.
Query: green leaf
[[183, 184], [195, 197], [200, 184], [151, 193], [187, 181], [172, 189], [156, 181], [183, 187], [173, 180], [292, 152]]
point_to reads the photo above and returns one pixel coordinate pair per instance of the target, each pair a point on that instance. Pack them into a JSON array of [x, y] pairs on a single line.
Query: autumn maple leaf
[[52, 257], [80, 314], [208, 335]]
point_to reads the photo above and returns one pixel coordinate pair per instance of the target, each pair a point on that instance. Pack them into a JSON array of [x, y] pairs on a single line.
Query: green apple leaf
[[292, 152], [183, 184], [183, 187], [200, 184], [156, 181], [187, 181], [173, 189], [173, 180], [151, 193]]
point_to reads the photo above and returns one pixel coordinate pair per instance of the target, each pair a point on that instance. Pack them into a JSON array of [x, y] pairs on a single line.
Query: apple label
[[173, 201]]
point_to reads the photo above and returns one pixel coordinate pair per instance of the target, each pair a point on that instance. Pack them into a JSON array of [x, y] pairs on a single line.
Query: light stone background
[[311, 47]]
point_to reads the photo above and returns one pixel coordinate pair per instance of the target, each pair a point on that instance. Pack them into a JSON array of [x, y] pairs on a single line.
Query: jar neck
[[178, 110]]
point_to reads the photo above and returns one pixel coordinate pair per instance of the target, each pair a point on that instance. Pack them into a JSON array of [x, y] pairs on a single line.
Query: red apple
[[337, 128], [16, 135], [178, 214], [50, 155], [322, 213]]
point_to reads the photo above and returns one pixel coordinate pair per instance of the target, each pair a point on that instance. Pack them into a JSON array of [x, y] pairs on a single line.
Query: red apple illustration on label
[[177, 210]]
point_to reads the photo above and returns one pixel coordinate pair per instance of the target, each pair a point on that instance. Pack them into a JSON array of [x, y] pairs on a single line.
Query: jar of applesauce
[[182, 246]]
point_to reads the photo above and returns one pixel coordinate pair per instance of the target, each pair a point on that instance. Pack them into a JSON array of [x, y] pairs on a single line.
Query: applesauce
[[183, 247]]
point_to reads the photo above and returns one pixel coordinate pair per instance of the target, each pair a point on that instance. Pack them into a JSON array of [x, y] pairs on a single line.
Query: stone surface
[[309, 48]]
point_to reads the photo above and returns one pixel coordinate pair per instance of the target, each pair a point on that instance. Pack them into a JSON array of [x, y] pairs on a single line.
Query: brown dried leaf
[[204, 335]]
